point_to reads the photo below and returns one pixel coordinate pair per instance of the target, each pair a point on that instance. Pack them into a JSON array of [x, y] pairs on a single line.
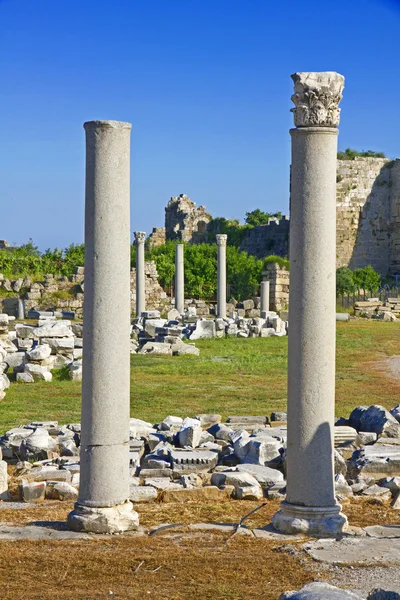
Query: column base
[[114, 519], [315, 521]]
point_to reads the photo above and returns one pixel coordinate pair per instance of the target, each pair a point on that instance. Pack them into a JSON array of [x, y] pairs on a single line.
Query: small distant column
[[310, 505], [140, 237], [179, 279], [21, 309], [264, 300], [221, 275], [103, 504]]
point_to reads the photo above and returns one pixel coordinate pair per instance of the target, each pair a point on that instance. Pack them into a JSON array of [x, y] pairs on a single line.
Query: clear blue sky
[[206, 85]]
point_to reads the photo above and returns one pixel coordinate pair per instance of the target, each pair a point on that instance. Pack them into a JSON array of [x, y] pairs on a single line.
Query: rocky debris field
[[324, 591], [203, 457], [33, 351], [152, 334]]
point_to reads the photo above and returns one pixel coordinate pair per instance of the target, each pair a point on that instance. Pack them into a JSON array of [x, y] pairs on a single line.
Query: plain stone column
[[264, 297], [221, 275], [179, 279], [140, 237], [310, 505], [103, 505]]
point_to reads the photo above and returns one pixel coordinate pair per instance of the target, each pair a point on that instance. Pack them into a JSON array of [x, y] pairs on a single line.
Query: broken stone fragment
[[142, 493], [32, 491], [320, 591]]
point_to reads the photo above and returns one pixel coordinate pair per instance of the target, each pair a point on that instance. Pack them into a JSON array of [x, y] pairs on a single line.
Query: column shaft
[[140, 276], [221, 275], [179, 279], [312, 301], [310, 505], [104, 456], [264, 297]]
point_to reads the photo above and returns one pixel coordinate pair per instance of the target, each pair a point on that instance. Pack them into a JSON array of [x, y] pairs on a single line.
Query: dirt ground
[[174, 565]]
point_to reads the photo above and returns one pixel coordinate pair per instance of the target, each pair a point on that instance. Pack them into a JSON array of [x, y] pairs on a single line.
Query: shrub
[[344, 281], [281, 261], [367, 279], [350, 154]]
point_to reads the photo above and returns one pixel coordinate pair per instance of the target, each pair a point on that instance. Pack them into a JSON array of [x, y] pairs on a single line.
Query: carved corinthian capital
[[221, 239], [140, 236], [316, 98]]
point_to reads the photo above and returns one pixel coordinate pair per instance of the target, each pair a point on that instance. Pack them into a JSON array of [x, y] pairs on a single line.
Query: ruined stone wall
[[67, 293], [184, 221], [364, 212], [264, 240], [157, 237], [278, 278], [394, 226], [156, 298]]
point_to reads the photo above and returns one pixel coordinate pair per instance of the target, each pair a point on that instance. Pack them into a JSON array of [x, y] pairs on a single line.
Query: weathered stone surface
[[32, 491], [38, 372], [355, 551], [235, 478], [320, 591], [190, 434], [142, 493], [375, 419], [189, 461], [185, 349], [39, 352], [53, 329], [48, 473], [205, 494], [253, 492], [156, 348], [206, 420], [265, 476], [64, 491], [115, 519], [205, 329], [380, 594], [377, 461], [3, 480]]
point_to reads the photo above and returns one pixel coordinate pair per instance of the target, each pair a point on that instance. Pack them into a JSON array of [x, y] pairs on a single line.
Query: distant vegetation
[[282, 262], [259, 217], [243, 270], [28, 260], [350, 154], [349, 282]]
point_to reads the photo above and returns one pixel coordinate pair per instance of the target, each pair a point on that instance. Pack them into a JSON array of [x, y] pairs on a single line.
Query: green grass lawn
[[231, 376]]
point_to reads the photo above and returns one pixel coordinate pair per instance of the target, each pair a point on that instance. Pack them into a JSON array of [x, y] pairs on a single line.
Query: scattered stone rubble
[[33, 351], [324, 591], [201, 458], [376, 309], [152, 334]]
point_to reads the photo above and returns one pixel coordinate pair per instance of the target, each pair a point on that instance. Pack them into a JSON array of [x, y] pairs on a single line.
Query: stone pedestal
[[103, 505], [310, 505], [221, 275], [264, 297], [140, 237], [179, 279]]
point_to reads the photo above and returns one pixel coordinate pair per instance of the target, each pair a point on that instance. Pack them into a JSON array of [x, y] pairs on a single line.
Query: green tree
[[344, 281], [367, 279], [350, 154], [259, 217]]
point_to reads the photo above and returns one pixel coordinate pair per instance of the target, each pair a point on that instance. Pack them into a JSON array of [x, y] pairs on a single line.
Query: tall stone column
[[179, 279], [264, 297], [310, 505], [103, 505], [140, 237], [221, 275]]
